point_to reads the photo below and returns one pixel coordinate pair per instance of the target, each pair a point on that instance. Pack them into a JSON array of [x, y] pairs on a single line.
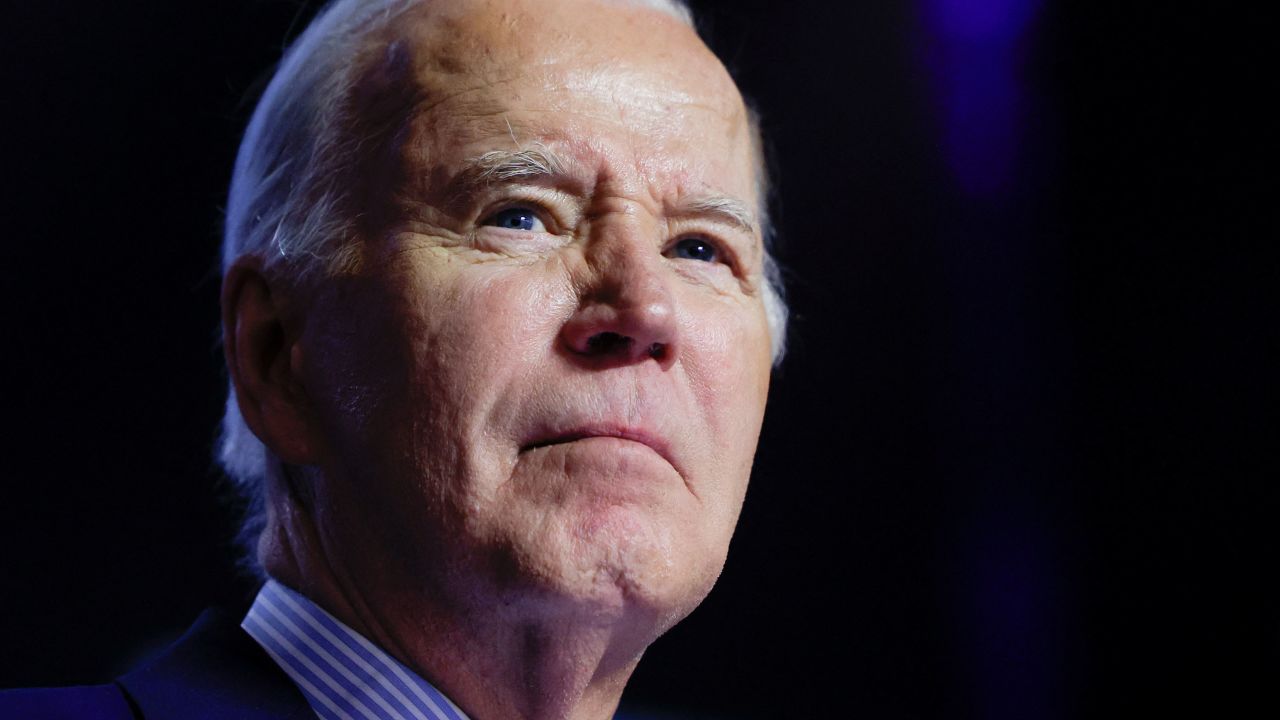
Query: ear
[[262, 357]]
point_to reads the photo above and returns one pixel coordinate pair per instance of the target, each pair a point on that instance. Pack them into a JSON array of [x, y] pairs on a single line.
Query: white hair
[[291, 202]]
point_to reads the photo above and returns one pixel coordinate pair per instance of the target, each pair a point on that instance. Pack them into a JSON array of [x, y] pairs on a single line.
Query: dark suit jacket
[[214, 672]]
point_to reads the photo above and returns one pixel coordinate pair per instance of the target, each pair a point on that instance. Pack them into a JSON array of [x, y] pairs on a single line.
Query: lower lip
[[609, 444]]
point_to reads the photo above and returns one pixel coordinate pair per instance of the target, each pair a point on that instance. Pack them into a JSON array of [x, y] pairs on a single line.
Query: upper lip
[[644, 436]]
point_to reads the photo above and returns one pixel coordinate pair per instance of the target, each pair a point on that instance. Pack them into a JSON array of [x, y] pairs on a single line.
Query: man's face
[[545, 383]]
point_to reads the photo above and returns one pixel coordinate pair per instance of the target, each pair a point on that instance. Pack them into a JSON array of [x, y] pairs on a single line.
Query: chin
[[620, 566]]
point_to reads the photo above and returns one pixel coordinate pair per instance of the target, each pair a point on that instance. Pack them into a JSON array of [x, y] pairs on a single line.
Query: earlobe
[[262, 359]]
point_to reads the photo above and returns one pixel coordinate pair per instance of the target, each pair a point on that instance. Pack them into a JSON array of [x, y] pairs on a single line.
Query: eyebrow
[[537, 164], [722, 208], [534, 164]]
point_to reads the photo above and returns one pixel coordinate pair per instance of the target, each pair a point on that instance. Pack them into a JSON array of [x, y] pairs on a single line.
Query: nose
[[626, 309]]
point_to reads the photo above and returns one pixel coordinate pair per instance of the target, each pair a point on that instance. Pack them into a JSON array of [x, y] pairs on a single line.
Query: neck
[[533, 670], [494, 657]]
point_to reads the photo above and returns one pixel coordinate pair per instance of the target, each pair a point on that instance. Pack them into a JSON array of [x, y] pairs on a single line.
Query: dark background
[[1020, 461]]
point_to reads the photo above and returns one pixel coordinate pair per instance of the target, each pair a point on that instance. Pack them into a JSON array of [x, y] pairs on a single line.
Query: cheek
[[415, 363], [727, 355], [494, 326], [727, 361], [485, 334]]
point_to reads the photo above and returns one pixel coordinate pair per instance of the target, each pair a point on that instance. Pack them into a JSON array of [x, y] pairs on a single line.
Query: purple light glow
[[981, 107], [1009, 646], [986, 21], [972, 51]]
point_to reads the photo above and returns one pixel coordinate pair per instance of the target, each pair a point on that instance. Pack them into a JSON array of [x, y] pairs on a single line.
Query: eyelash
[[723, 255], [537, 208]]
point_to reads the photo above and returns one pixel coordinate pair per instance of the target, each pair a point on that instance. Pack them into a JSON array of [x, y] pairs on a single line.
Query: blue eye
[[516, 218], [695, 248]]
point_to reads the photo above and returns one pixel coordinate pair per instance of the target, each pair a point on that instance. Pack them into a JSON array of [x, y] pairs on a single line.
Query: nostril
[[607, 343], [616, 346]]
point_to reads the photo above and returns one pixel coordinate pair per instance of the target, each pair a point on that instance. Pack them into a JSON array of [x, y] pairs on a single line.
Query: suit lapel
[[214, 672]]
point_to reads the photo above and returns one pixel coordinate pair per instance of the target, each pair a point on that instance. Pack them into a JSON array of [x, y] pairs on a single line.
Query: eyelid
[[727, 251], [488, 217], [547, 204]]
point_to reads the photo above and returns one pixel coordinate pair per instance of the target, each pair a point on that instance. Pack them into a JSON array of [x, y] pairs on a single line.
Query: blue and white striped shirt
[[341, 673]]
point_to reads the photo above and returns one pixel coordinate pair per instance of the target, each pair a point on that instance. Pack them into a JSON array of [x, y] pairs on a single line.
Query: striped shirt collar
[[341, 673]]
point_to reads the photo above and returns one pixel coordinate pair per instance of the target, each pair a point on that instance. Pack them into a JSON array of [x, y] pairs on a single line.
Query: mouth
[[654, 442]]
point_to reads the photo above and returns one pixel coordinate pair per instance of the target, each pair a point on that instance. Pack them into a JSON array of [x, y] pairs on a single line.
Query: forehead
[[608, 83], [490, 38]]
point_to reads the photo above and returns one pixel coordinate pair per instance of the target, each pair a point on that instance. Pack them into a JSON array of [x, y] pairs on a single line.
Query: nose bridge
[[625, 262], [626, 306]]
